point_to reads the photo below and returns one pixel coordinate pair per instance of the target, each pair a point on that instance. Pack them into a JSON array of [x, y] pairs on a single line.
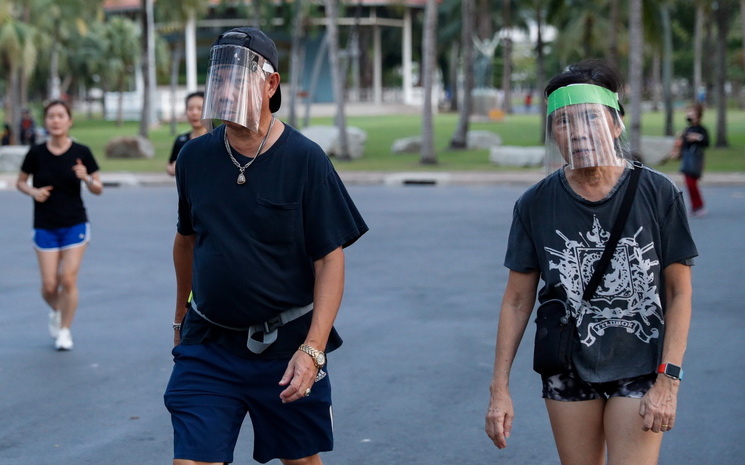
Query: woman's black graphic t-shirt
[[563, 235]]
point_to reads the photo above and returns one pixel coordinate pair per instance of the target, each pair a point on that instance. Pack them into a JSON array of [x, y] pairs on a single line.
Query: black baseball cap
[[255, 40]]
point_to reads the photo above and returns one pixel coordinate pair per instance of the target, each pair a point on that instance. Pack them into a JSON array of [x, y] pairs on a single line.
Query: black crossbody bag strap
[[610, 246]]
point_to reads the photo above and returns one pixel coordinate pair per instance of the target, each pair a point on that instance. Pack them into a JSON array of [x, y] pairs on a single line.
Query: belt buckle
[[272, 324]]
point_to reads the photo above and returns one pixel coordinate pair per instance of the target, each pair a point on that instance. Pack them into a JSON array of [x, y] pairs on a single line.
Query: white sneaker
[[64, 340], [55, 322]]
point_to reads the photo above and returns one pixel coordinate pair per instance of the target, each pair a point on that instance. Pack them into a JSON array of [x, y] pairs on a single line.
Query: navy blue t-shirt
[[64, 207], [256, 243]]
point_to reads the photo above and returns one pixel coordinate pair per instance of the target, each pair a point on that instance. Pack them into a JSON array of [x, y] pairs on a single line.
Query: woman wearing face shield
[[619, 392]]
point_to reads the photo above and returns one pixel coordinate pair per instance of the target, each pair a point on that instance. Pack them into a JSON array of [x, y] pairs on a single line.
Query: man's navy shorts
[[212, 389], [53, 240]]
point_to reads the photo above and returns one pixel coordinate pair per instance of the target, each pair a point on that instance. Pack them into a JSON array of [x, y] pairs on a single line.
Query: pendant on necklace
[[241, 179]]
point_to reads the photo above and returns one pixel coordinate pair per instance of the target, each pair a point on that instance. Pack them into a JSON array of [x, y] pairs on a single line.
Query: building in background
[[362, 52]]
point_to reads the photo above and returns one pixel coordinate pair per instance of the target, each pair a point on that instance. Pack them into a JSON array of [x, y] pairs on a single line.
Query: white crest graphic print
[[626, 297]]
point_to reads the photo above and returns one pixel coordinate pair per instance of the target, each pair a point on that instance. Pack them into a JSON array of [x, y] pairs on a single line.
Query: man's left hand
[[299, 377]]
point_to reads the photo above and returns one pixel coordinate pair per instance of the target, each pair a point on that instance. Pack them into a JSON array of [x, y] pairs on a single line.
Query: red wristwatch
[[670, 370]]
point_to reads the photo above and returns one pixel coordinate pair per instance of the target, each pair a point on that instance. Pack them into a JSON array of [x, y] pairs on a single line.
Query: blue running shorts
[[212, 389], [52, 240]]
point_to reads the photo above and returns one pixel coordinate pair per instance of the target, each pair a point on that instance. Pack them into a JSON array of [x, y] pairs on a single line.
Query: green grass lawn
[[522, 130]]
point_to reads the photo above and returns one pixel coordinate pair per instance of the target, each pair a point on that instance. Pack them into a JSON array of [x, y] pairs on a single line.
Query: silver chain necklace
[[241, 177]]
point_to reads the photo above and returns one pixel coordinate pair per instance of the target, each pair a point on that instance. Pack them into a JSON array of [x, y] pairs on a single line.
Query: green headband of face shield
[[574, 94]]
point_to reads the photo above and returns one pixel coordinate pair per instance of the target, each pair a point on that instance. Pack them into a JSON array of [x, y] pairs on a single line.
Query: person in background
[[61, 230], [6, 134], [693, 141], [27, 128], [263, 218], [194, 102], [620, 392]]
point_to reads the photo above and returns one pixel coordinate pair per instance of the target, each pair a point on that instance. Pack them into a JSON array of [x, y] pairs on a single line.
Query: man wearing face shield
[[619, 391], [263, 220]]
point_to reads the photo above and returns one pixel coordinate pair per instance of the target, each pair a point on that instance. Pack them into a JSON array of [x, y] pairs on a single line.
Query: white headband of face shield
[[585, 128], [235, 86]]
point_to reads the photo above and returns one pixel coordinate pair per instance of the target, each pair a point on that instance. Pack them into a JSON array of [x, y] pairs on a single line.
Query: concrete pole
[[378, 67], [153, 94], [190, 37], [406, 53]]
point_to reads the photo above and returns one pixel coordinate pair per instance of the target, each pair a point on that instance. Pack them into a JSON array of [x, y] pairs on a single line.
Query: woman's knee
[[68, 281], [49, 289]]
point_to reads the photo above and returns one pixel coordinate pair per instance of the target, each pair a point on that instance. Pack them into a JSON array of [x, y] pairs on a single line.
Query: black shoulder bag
[[556, 327]]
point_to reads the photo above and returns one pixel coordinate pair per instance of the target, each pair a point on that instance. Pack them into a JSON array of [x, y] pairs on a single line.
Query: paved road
[[419, 320]]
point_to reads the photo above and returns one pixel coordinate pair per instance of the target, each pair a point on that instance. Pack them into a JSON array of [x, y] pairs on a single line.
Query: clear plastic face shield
[[585, 129], [235, 86]]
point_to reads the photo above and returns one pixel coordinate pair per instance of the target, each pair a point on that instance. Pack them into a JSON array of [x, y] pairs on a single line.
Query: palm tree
[[63, 23], [255, 16], [667, 66], [336, 77], [460, 136], [613, 32], [428, 156], [537, 10], [584, 28], [148, 67], [742, 28], [658, 41], [723, 12], [122, 37], [448, 31], [87, 58], [485, 43], [507, 56], [29, 62], [300, 26], [182, 15], [636, 71], [18, 56], [697, 48]]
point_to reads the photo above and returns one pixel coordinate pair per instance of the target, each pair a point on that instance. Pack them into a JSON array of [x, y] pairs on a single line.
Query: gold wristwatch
[[319, 358]]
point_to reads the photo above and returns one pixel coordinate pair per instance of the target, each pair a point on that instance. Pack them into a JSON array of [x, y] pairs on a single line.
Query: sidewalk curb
[[431, 178]]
